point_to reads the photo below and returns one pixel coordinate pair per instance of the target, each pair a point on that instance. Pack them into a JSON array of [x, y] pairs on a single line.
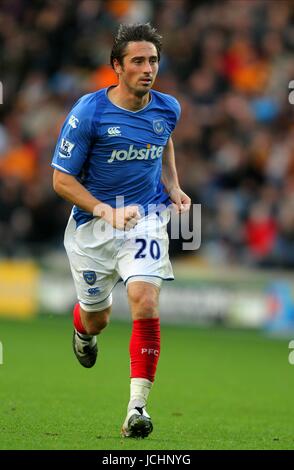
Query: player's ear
[[117, 66]]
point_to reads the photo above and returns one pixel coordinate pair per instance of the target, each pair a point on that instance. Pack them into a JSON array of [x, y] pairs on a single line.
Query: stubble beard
[[141, 93]]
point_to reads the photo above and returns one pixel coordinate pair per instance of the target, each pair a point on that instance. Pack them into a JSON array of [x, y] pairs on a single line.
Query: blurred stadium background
[[229, 63]]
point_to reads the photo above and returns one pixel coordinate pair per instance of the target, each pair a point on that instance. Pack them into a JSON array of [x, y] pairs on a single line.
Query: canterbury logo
[[113, 131]]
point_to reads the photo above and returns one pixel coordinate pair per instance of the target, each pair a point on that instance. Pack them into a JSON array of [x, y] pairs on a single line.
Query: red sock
[[145, 348], [77, 320]]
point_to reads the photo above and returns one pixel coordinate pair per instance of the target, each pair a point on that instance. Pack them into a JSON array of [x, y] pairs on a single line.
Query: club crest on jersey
[[90, 277], [158, 126], [65, 148]]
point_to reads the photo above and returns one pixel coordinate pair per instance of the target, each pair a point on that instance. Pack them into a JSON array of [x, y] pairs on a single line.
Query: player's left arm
[[169, 178]]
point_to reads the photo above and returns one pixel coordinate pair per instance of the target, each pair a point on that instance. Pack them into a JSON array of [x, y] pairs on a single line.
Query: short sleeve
[[176, 112], [75, 138]]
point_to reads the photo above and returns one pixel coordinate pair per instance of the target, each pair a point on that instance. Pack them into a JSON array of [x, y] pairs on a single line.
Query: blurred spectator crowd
[[229, 63]]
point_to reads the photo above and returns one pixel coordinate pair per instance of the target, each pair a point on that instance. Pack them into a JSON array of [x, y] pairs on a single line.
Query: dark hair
[[134, 32]]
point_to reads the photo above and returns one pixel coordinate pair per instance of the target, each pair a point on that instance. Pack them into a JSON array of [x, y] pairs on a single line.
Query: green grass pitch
[[215, 389]]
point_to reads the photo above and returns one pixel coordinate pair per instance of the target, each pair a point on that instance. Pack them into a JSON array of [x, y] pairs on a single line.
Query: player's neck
[[127, 100]]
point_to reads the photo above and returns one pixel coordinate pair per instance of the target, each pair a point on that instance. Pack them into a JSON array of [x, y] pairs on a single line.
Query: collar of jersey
[[125, 109]]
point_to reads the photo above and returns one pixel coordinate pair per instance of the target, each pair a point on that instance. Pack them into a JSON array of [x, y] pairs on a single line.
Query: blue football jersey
[[117, 152]]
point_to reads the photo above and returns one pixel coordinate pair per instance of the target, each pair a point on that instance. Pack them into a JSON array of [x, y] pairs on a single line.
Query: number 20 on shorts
[[144, 250]]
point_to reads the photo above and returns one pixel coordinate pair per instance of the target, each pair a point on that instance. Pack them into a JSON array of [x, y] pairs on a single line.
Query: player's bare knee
[[142, 291], [148, 306], [102, 320], [96, 325], [95, 322], [144, 304]]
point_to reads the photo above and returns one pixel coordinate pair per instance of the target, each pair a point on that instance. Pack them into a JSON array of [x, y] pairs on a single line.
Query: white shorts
[[100, 256]]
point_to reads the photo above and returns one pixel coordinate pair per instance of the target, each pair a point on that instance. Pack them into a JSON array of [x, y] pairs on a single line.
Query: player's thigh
[[93, 268]]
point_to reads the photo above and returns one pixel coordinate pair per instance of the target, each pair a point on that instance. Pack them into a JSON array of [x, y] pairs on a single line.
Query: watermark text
[[138, 222]]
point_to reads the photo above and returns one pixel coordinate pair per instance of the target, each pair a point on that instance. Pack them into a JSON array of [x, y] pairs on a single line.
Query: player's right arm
[[69, 157], [69, 188]]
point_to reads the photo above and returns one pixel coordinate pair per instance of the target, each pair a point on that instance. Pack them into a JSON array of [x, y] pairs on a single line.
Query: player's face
[[139, 68]]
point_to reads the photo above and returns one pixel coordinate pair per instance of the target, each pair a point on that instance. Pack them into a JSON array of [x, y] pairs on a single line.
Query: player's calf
[[91, 323]]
